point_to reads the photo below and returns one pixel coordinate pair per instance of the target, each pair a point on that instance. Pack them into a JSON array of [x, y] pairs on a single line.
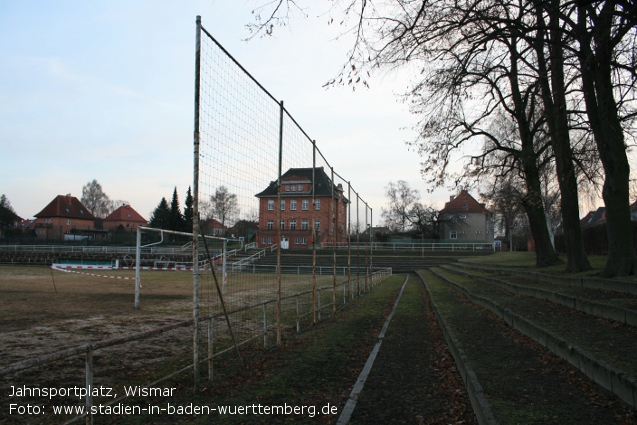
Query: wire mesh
[[285, 215]]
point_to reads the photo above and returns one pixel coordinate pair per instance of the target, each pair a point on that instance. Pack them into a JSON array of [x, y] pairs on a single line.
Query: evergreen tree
[[160, 218], [188, 211], [176, 221]]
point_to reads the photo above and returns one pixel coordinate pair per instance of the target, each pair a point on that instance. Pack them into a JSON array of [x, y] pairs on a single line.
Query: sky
[[104, 89]]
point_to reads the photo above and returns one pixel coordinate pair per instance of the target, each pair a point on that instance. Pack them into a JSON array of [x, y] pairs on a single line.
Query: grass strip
[[607, 340], [525, 383]]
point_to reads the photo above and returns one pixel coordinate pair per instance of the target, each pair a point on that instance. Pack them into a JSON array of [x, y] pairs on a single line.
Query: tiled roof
[[216, 224], [463, 203], [66, 206], [125, 213], [594, 217], [323, 183]]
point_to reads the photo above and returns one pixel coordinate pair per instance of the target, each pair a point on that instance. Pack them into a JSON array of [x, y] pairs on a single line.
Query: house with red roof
[[64, 218], [126, 217], [463, 219], [214, 227]]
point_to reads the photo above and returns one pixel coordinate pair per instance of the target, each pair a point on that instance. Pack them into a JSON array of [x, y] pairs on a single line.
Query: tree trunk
[[603, 114], [545, 254], [554, 99]]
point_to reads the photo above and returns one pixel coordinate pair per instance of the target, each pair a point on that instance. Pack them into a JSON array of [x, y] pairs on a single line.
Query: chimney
[[452, 197]]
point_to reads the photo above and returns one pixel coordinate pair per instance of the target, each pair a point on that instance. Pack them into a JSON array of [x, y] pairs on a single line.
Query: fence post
[[349, 241], [278, 232], [265, 326], [195, 216], [314, 241], [210, 350], [298, 319], [318, 301], [89, 385], [138, 258], [334, 229]]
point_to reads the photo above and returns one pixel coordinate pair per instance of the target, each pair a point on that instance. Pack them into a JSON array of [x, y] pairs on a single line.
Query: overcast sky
[[104, 90]]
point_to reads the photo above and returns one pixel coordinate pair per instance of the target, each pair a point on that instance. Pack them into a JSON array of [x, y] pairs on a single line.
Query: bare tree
[[95, 200], [224, 205], [401, 200]]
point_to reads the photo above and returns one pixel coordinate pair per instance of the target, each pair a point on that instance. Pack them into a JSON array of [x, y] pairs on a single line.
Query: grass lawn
[[526, 259]]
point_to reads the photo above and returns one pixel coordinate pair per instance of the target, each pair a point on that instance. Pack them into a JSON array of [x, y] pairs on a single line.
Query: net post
[[349, 241], [195, 218], [334, 233], [278, 231], [314, 232], [138, 257]]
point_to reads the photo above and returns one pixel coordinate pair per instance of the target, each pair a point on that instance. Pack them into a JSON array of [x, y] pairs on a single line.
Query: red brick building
[[64, 218], [328, 214], [126, 217]]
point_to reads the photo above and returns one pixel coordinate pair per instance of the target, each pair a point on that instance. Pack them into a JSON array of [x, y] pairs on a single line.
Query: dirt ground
[[44, 311]]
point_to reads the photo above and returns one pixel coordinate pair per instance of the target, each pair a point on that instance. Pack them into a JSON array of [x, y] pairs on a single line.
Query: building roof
[[323, 184], [215, 224], [594, 217], [66, 206], [463, 202], [126, 213]]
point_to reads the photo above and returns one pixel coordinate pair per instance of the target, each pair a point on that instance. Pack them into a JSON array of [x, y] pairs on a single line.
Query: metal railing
[[91, 249], [416, 246]]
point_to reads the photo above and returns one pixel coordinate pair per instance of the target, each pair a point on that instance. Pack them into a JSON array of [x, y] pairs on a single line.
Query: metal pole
[[349, 241], [334, 233], [223, 267], [278, 231], [195, 218], [358, 249], [371, 243], [314, 231], [366, 251], [138, 257], [210, 350], [89, 385], [265, 326]]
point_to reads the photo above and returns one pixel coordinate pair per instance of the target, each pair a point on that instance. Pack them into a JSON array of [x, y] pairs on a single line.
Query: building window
[[453, 235], [270, 224], [479, 232], [293, 188], [287, 188], [282, 204], [317, 225], [282, 224], [293, 204], [317, 204], [292, 224], [271, 205], [463, 215], [305, 205], [270, 241], [299, 188], [263, 241], [304, 224], [68, 221]]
